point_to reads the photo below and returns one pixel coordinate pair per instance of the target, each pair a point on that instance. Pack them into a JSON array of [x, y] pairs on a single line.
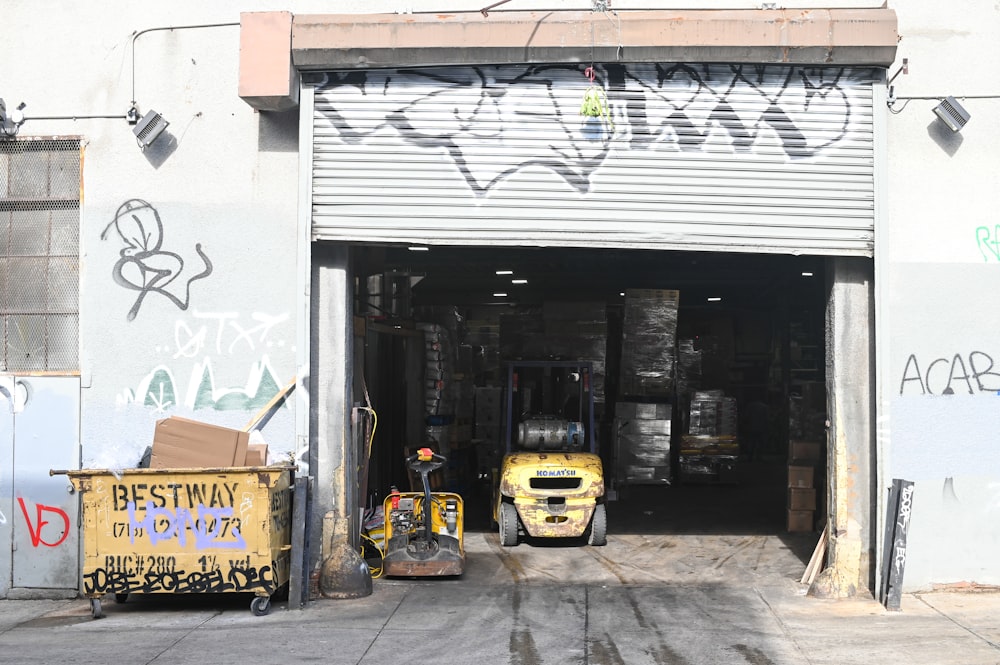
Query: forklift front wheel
[[508, 525], [598, 536]]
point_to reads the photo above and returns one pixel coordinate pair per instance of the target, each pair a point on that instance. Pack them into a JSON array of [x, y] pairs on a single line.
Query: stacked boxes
[[803, 459], [488, 427], [483, 339], [572, 330], [437, 368], [807, 410], [713, 414], [649, 333], [642, 442], [806, 430], [578, 331], [442, 393]]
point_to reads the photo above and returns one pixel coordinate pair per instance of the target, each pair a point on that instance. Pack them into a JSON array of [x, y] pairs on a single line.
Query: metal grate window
[[39, 255]]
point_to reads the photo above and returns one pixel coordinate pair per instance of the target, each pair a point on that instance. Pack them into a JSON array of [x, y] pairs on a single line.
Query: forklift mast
[[560, 388]]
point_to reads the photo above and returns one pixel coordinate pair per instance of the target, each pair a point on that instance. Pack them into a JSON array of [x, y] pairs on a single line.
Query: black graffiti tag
[[143, 266], [237, 579], [470, 113], [950, 376]]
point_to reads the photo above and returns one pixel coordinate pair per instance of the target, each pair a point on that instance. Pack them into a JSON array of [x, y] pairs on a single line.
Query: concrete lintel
[[361, 41], [267, 77]]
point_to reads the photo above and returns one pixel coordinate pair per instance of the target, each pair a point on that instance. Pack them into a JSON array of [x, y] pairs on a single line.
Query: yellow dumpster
[[225, 530]]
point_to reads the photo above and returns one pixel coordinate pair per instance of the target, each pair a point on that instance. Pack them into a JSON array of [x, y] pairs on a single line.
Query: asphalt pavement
[[533, 605]]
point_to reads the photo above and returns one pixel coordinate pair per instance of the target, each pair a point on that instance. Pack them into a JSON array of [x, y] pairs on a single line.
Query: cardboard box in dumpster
[[256, 454], [179, 443]]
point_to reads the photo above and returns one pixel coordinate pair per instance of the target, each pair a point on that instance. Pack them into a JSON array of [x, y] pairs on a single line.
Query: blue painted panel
[[7, 402], [45, 514]]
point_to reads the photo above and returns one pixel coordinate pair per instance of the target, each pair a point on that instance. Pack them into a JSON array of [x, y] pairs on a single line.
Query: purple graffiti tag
[[212, 527]]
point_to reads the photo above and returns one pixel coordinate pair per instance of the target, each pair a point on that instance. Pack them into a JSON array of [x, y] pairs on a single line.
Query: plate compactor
[[424, 533]]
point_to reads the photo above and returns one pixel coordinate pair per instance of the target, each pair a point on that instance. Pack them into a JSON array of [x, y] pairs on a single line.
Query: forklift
[[424, 531], [551, 480]]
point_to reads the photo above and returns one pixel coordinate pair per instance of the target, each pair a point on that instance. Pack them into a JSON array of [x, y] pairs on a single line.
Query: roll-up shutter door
[[711, 157]]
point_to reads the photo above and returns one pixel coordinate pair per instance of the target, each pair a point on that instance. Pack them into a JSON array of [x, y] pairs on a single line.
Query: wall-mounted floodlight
[[148, 128], [10, 122], [952, 114]]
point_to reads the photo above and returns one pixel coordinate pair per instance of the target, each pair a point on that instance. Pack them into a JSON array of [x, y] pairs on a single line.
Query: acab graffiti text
[[958, 374]]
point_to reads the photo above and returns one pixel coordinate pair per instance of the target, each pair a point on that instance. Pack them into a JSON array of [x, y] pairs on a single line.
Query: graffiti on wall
[[229, 333], [15, 391], [188, 378], [988, 242], [651, 106], [966, 374], [35, 527], [143, 264]]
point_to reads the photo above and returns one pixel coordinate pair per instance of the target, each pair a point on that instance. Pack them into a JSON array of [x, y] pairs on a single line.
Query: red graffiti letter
[[36, 531]]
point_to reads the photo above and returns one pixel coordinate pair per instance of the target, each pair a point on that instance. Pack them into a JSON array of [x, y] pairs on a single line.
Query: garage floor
[[682, 533]]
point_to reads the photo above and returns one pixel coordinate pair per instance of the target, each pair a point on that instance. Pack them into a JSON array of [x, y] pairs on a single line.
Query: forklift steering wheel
[[435, 462]]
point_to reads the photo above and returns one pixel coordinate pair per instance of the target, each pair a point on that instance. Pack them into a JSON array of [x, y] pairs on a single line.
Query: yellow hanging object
[[595, 104]]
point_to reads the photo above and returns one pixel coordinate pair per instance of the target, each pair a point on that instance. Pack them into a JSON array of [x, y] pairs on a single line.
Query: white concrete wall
[[938, 295], [208, 343]]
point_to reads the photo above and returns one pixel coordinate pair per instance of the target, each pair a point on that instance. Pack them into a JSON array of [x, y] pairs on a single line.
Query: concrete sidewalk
[[507, 610]]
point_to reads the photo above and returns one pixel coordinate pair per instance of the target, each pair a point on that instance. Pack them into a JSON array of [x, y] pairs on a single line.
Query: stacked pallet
[[649, 333], [642, 441], [709, 449]]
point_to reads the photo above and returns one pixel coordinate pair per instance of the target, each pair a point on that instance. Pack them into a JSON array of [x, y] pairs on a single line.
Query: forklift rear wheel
[[508, 525], [598, 536]]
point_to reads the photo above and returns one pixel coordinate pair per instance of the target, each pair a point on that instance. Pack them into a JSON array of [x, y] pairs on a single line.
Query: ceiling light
[[622, 294], [518, 281], [505, 272], [499, 295], [952, 114], [807, 274], [715, 299], [417, 248]]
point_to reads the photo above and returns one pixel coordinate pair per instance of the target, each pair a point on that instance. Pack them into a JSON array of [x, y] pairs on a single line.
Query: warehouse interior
[[721, 355]]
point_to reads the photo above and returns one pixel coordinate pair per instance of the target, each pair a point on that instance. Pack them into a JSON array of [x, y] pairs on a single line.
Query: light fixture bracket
[[11, 121]]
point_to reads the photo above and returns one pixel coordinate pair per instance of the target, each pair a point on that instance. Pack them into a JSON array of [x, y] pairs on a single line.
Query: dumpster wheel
[[95, 608], [260, 605]]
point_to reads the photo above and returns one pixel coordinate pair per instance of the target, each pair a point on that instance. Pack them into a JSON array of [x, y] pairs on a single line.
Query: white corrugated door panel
[[711, 157]]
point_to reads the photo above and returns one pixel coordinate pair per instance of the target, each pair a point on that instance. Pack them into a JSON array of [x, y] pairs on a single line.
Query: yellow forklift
[[424, 531], [551, 480]]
